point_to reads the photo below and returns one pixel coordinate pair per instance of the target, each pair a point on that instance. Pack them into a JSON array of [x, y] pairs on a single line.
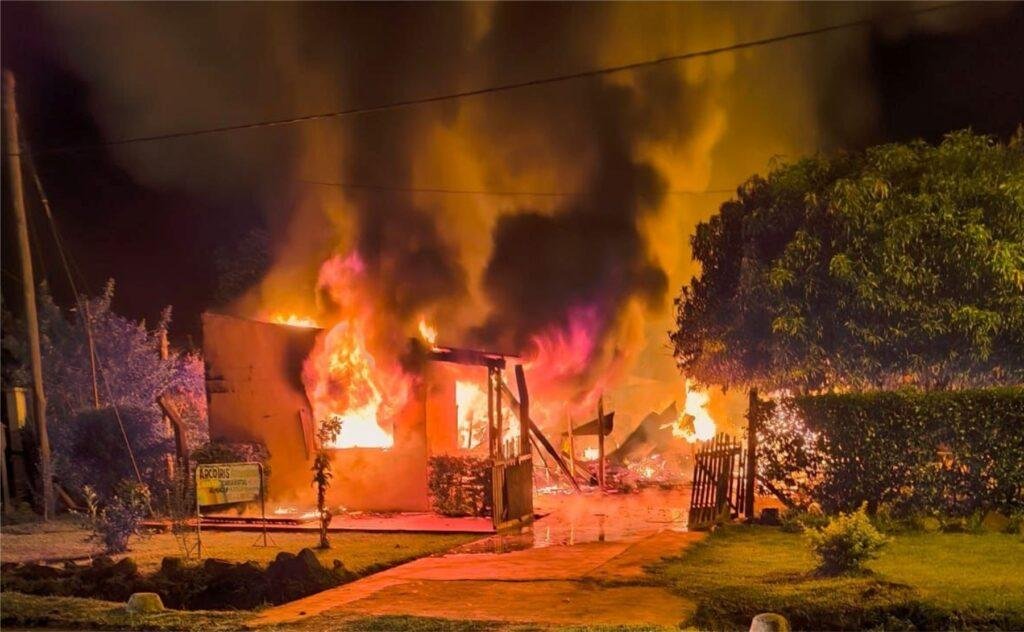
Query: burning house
[[270, 383]]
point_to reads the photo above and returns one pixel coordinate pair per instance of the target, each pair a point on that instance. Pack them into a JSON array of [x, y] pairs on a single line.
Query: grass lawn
[[71, 612], [360, 552], [921, 580]]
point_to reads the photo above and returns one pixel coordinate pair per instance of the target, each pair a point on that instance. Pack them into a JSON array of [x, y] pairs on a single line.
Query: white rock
[[769, 622], [144, 603]]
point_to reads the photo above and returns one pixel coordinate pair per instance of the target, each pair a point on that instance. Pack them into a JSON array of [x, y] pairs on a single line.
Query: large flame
[[343, 379], [695, 422], [471, 400]]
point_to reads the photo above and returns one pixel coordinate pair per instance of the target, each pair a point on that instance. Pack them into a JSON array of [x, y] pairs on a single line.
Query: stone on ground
[[769, 622], [144, 603]]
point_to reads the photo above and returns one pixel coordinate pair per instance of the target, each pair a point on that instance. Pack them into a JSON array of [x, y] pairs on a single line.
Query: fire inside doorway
[[256, 395]]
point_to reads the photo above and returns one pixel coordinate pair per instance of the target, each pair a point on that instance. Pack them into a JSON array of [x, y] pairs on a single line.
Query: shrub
[[121, 518], [460, 485], [218, 451], [846, 543], [941, 452]]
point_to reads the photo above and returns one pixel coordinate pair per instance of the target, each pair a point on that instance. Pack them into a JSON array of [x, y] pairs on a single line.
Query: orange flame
[[695, 422], [343, 380], [294, 320], [428, 332], [471, 400]]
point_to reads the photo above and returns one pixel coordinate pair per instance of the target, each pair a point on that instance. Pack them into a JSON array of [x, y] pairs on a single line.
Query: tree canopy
[[88, 444], [900, 264]]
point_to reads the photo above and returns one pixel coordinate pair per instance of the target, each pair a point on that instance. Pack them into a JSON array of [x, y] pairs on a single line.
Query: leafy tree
[[900, 264], [88, 445], [322, 473]]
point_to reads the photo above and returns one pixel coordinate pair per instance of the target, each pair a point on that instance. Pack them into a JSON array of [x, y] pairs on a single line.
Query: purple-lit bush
[[89, 449], [116, 523], [88, 445], [947, 452]]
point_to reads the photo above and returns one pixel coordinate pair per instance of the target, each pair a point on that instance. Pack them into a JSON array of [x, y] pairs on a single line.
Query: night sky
[[160, 243]]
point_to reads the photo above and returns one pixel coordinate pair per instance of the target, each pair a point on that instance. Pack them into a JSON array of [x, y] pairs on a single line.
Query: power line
[[505, 87], [447, 191]]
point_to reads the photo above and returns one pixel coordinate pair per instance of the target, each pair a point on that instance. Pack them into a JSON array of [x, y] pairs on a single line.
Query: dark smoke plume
[[503, 271]]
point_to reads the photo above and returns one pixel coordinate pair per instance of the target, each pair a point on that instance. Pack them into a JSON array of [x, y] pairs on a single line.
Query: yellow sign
[[222, 483]]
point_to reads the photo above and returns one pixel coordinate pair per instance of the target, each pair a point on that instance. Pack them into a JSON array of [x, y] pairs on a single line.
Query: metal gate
[[719, 482]]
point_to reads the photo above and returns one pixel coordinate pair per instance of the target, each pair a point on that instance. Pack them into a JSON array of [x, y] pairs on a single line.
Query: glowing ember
[[694, 423], [428, 332], [343, 381], [294, 320]]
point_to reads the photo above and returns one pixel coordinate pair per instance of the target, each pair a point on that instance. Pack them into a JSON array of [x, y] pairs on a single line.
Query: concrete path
[[594, 582]]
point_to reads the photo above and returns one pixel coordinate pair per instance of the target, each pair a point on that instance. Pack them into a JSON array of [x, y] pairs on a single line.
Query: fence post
[[753, 425]]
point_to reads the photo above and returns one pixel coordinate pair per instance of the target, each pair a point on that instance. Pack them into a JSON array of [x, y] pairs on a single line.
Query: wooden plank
[[489, 359], [590, 428], [178, 426], [544, 441], [524, 410]]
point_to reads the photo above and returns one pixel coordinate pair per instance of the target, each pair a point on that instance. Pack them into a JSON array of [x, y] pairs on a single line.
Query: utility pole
[[29, 291]]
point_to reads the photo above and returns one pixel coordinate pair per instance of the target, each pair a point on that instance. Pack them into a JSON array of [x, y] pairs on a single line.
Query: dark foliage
[[949, 452], [121, 518], [460, 486], [217, 451], [864, 271], [212, 585], [90, 449]]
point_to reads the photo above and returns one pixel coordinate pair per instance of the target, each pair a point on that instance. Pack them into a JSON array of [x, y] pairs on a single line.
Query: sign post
[[227, 483]]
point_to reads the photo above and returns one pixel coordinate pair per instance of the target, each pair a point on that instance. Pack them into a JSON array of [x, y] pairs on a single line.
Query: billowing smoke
[[579, 279]]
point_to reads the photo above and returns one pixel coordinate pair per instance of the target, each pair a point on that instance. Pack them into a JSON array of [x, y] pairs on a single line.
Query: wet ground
[[584, 560], [574, 518]]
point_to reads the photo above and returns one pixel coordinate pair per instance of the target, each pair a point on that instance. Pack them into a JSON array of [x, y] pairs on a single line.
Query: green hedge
[[952, 452], [460, 485]]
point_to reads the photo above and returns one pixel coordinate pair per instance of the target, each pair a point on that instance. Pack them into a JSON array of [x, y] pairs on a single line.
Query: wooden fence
[[719, 482]]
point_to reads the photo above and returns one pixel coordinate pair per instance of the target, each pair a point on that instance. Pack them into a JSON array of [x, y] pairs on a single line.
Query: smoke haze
[[586, 276]]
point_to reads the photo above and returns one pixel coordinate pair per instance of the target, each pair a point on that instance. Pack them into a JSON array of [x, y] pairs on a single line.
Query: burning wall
[[256, 393]]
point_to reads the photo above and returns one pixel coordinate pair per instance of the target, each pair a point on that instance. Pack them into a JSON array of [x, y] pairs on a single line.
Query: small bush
[[846, 543], [460, 486], [121, 518]]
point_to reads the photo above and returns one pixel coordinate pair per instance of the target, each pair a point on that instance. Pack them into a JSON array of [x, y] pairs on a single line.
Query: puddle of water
[[591, 516]]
